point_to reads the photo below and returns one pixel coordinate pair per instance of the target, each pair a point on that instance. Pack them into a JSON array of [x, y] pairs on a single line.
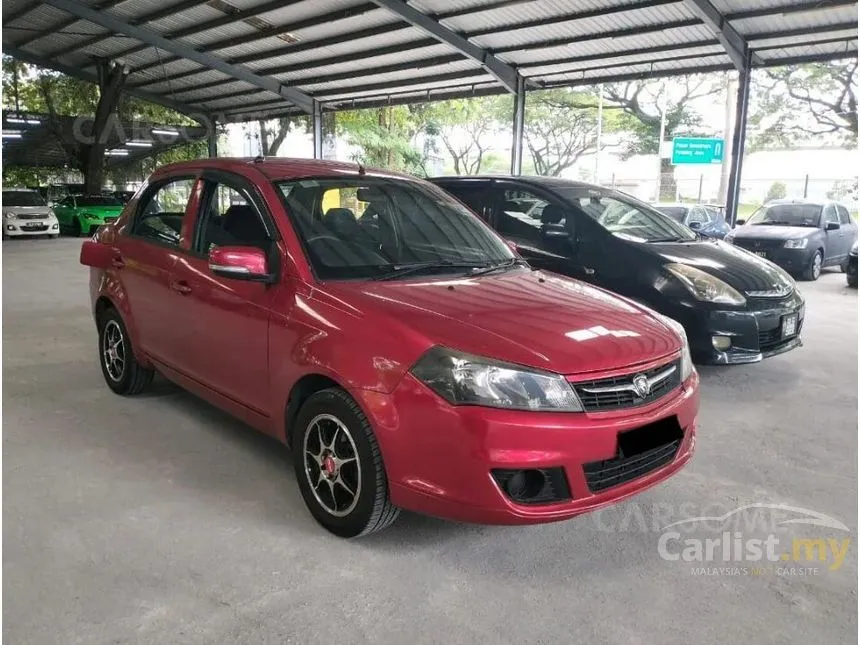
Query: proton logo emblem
[[641, 385]]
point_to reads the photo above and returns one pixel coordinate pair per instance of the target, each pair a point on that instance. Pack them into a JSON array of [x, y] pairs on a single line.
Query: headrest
[[339, 216], [552, 214]]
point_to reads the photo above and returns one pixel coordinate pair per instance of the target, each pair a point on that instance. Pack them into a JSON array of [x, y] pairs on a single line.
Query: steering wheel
[[332, 238]]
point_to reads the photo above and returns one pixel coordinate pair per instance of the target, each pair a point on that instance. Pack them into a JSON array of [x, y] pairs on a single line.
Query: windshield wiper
[[670, 239], [401, 270], [505, 264]]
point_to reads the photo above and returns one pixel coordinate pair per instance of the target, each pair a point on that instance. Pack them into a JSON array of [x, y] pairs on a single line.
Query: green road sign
[[689, 150]]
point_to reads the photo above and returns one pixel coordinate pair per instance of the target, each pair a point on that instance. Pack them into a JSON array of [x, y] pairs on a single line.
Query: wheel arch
[[301, 391]]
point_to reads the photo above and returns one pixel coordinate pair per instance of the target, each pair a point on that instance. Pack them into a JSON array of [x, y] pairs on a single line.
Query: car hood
[[101, 211], [44, 211], [738, 268], [526, 317], [764, 232]]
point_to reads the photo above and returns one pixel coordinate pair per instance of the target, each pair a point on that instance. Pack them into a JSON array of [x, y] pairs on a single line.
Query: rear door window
[[162, 210]]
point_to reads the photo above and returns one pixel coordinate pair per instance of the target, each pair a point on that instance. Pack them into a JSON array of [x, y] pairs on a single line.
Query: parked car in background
[[735, 307], [706, 220], [406, 354], [851, 268], [25, 212], [122, 195], [801, 236], [81, 214]]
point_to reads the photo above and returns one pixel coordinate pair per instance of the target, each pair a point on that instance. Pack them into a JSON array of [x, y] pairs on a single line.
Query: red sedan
[[406, 354]]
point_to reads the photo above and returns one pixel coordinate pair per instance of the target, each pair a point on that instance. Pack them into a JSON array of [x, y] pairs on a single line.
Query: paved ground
[[161, 520]]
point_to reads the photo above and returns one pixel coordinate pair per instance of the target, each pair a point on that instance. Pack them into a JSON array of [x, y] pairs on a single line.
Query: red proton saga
[[405, 353]]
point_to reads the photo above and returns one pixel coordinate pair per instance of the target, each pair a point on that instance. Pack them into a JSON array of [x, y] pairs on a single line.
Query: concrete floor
[[160, 520]]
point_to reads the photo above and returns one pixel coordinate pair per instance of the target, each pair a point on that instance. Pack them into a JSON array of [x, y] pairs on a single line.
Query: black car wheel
[[852, 281], [813, 269], [339, 466], [121, 371], [76, 228], [844, 266]]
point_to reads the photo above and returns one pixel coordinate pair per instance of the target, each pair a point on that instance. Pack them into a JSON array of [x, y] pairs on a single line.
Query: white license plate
[[789, 326], [761, 254]]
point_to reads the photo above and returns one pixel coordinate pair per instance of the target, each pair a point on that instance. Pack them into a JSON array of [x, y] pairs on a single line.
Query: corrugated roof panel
[[404, 76], [557, 11], [665, 37], [212, 93], [802, 40], [361, 66], [328, 30], [43, 17], [600, 24], [307, 10], [791, 21], [620, 61], [772, 55], [245, 101], [180, 20], [437, 6], [205, 76], [733, 6], [417, 86], [686, 66], [11, 7]]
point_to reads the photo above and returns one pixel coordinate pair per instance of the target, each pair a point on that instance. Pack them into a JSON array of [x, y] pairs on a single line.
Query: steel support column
[[739, 138], [318, 130], [519, 122]]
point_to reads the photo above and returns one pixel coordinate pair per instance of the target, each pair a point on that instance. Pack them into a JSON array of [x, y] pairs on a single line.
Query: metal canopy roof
[[235, 60], [37, 139]]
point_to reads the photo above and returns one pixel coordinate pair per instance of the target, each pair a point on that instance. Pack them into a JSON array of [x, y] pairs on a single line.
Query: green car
[[83, 213]]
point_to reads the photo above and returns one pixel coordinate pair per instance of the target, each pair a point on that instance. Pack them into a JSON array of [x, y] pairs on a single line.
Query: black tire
[[54, 236], [852, 281], [844, 266], [813, 270], [320, 426], [77, 230], [131, 378]]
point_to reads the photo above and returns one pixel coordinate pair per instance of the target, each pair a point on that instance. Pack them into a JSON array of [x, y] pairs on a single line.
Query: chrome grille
[[620, 392]]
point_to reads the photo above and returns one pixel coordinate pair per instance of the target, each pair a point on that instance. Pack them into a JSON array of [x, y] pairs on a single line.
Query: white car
[[25, 212]]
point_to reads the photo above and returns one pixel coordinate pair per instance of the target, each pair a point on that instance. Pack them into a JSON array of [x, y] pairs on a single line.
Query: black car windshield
[[361, 227], [625, 217], [786, 215], [677, 213], [22, 198], [97, 200]]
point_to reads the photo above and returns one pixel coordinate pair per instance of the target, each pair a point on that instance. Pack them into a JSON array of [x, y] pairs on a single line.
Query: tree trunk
[[111, 82], [264, 138], [668, 185]]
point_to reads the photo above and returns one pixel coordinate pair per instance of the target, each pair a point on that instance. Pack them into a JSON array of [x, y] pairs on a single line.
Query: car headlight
[[797, 244], [686, 358], [465, 379], [704, 286]]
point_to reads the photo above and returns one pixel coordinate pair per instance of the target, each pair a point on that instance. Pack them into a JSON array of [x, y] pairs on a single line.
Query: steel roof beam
[[77, 72], [154, 39], [735, 45], [140, 20], [503, 72], [802, 7]]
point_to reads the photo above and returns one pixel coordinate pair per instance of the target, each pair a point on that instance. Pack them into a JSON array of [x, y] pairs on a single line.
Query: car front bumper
[[755, 332], [445, 460], [19, 228], [794, 261]]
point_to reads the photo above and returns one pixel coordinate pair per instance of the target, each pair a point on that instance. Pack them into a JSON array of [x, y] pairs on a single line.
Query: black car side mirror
[[696, 226], [831, 226], [740, 222]]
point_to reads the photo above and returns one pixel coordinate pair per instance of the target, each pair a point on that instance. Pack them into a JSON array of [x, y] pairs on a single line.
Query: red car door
[[148, 249], [226, 321]]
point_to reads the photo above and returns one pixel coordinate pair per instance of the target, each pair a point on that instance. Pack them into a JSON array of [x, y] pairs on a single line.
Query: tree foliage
[[467, 128], [815, 102], [273, 132]]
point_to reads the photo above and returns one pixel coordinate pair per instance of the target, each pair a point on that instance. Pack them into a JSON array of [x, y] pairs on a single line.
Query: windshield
[[97, 200], [677, 213], [786, 215], [626, 218], [22, 198], [370, 227]]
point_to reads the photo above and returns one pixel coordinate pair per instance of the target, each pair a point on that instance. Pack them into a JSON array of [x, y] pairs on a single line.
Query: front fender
[[106, 285]]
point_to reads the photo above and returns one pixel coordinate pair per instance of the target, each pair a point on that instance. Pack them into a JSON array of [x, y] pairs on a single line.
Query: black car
[[851, 267], [800, 236], [736, 307], [706, 220]]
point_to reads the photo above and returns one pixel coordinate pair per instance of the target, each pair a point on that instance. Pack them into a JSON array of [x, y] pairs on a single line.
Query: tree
[[466, 128], [560, 126], [801, 103], [273, 132], [387, 137], [777, 190], [643, 102]]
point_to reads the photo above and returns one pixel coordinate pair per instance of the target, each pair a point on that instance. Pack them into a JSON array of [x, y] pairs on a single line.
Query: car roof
[[798, 200], [280, 168], [537, 180], [674, 204]]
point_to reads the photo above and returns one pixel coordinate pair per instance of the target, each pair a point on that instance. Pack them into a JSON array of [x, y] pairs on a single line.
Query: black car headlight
[[704, 286], [465, 379]]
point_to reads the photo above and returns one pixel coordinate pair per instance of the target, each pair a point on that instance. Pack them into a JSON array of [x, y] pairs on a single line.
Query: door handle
[[181, 287]]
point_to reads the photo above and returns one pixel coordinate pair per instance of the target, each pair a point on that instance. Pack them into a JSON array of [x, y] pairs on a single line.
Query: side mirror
[[740, 222], [240, 263], [831, 226], [97, 255], [696, 226]]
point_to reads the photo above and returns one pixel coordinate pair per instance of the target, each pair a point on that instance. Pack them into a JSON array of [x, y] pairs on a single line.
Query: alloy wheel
[[113, 350], [816, 266], [331, 465]]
